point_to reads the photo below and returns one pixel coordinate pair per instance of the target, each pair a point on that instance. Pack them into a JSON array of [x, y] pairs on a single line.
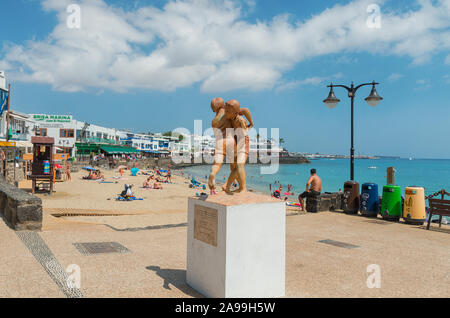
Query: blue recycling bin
[[370, 204]]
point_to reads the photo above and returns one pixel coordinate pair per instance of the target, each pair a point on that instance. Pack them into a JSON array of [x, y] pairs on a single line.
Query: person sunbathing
[[92, 175], [95, 175], [147, 183], [157, 185]]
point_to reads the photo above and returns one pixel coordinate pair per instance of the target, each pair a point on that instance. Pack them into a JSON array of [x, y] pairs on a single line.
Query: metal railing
[[98, 140]]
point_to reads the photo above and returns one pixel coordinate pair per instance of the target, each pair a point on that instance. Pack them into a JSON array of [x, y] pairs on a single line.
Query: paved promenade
[[327, 256]]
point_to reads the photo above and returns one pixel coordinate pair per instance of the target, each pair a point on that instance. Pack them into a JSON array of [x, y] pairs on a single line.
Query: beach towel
[[119, 198], [295, 204]]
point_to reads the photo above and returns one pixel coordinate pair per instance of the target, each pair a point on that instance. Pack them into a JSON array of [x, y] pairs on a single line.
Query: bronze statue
[[228, 116]]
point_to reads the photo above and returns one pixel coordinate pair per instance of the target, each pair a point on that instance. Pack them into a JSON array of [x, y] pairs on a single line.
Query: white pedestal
[[237, 248]]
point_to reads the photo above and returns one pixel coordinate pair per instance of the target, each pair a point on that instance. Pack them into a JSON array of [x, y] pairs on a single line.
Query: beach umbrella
[[89, 168], [134, 171]]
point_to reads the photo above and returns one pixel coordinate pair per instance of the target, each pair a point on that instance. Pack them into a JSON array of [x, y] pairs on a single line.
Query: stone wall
[[17, 175], [324, 202], [21, 210]]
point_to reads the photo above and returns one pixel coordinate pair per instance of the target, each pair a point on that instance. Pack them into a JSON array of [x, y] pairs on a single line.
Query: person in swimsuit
[[315, 187]]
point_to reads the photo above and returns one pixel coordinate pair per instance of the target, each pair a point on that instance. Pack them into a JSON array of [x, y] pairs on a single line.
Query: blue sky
[[155, 66]]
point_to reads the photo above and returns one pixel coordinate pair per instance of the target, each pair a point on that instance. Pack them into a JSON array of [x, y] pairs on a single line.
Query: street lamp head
[[331, 101], [373, 99]]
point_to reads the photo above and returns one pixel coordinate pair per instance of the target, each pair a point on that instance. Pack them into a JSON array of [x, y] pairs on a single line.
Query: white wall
[[3, 80]]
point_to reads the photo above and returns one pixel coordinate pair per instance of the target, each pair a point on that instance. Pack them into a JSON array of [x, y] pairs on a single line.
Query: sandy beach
[[94, 201]]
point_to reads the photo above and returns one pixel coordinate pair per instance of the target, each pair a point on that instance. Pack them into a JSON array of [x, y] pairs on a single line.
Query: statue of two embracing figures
[[232, 142]]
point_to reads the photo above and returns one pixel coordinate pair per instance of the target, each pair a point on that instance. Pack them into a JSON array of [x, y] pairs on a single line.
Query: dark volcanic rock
[[22, 210]]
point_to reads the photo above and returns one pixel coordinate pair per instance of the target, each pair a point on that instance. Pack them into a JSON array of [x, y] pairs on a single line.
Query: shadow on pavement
[[176, 278], [435, 228]]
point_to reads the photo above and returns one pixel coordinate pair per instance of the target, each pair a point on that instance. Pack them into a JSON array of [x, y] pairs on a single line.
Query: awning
[[23, 143], [87, 148], [114, 150]]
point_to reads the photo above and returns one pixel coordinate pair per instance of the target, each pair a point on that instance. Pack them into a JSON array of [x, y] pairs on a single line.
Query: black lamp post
[[331, 101]]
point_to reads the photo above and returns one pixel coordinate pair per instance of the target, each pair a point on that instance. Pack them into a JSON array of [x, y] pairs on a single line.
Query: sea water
[[432, 174]]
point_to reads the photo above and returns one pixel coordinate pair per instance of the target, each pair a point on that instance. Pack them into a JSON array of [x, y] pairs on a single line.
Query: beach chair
[[439, 207]]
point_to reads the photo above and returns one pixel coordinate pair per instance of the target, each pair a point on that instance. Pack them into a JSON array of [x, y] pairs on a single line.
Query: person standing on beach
[[313, 188]]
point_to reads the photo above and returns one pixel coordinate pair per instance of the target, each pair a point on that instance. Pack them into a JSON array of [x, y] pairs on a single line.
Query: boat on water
[[372, 167]]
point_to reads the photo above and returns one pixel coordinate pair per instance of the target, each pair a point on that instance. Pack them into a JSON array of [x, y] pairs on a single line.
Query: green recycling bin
[[391, 204]]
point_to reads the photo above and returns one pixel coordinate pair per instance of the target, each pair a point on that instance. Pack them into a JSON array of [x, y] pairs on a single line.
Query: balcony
[[97, 140], [19, 137]]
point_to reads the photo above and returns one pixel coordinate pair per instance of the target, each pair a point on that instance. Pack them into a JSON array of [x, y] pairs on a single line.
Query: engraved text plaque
[[205, 224]]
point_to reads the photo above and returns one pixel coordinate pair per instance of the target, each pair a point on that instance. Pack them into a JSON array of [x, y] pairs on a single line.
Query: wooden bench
[[439, 207]]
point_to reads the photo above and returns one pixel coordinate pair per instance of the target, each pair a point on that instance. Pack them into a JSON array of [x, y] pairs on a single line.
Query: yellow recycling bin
[[414, 207]]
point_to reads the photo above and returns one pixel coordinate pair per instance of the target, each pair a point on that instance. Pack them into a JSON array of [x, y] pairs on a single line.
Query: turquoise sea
[[432, 174]]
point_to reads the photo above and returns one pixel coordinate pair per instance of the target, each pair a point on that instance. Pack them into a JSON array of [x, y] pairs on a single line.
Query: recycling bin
[[391, 204], [414, 206], [370, 205], [350, 202]]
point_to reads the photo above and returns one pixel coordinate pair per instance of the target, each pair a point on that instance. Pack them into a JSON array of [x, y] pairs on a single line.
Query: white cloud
[[423, 83], [394, 77], [315, 81], [447, 60], [209, 42]]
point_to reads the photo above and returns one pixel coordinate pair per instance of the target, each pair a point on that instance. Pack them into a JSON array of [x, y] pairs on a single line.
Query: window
[[41, 132], [99, 135], [66, 133], [65, 150]]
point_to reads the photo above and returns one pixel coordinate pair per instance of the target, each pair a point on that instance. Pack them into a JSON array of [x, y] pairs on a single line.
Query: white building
[[60, 127], [68, 132], [89, 133], [3, 81], [155, 144]]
